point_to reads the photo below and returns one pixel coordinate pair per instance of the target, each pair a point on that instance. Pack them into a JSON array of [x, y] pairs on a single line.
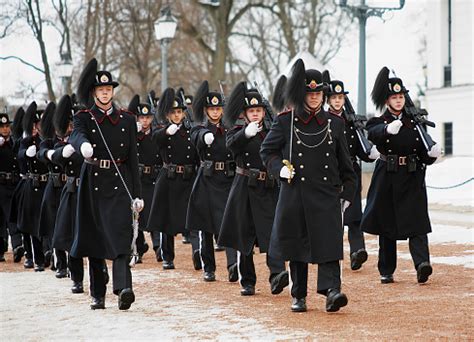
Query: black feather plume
[[29, 118], [133, 105], [199, 102], [47, 127], [17, 128], [166, 103], [295, 91], [279, 94], [380, 90], [86, 83], [326, 76], [62, 115], [235, 104]]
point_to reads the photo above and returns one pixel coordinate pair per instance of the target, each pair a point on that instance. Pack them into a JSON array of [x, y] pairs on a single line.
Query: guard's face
[[336, 101], [314, 99], [176, 116], [214, 114], [36, 128], [146, 121], [104, 94], [70, 126], [396, 102], [255, 114], [5, 130]]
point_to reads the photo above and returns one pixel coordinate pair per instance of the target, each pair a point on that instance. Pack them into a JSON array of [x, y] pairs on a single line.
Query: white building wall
[[462, 35]]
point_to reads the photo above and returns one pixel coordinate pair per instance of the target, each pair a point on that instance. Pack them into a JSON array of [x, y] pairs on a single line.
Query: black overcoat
[[9, 178], [308, 218], [397, 205], [104, 217], [17, 196]]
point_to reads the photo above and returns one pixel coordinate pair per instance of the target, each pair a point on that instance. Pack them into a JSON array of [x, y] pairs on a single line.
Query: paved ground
[[178, 305]]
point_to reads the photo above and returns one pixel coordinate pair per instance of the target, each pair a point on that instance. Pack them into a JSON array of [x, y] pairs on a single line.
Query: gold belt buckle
[[104, 164], [64, 177], [402, 160], [179, 169], [77, 181], [220, 166], [147, 169], [43, 178], [262, 176]]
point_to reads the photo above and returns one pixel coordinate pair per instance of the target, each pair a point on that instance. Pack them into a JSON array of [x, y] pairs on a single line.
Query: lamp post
[[165, 29], [362, 11], [65, 71]]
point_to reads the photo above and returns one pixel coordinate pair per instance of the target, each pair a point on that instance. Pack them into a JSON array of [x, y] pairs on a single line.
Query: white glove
[[172, 129], [2, 141], [31, 151], [435, 151], [68, 150], [344, 204], [208, 138], [49, 154], [374, 153], [86, 150], [252, 129], [394, 127], [138, 204], [286, 173], [139, 126]]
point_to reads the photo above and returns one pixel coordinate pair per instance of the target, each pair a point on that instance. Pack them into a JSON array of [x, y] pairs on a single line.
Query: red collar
[[306, 117]]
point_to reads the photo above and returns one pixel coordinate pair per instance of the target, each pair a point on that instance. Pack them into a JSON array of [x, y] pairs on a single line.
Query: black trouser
[[167, 247], [121, 274], [97, 277], [194, 238], [76, 268], [27, 246], [155, 238], [207, 252], [37, 248], [61, 259], [247, 268], [419, 251], [3, 245], [355, 236], [140, 242], [329, 277], [15, 237]]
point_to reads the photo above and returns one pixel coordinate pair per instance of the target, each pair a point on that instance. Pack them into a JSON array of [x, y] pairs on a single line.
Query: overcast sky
[[394, 43]]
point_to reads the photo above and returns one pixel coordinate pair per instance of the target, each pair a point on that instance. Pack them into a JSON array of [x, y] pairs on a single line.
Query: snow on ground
[[448, 172]]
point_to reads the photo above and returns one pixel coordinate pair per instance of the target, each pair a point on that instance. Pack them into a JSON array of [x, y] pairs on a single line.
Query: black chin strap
[[106, 103]]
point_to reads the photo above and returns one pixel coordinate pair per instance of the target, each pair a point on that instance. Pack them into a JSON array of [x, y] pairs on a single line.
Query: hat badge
[[313, 84], [188, 101], [397, 88], [145, 110], [215, 100], [104, 79], [254, 101], [175, 103], [4, 120], [338, 88]]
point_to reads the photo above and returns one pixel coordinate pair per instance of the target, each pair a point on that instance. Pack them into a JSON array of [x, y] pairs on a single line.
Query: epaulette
[[287, 111], [126, 111], [83, 111], [337, 116]]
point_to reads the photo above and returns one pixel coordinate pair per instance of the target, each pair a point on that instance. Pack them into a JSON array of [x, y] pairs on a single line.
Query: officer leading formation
[[87, 178]]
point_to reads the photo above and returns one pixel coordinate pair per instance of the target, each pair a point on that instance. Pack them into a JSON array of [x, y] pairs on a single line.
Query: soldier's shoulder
[[285, 112], [83, 112], [332, 115]]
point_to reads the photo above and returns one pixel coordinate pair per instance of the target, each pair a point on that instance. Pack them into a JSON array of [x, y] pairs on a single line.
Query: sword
[[288, 162]]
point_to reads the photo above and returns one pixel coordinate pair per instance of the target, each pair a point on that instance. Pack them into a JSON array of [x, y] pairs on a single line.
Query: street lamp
[[362, 11], [165, 29], [65, 71]]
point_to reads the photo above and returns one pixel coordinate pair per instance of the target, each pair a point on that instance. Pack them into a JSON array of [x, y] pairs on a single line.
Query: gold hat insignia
[[253, 101], [397, 88], [104, 78], [215, 100], [338, 88]]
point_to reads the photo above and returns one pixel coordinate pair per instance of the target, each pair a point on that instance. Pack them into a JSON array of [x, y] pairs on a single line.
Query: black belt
[[402, 160], [39, 177], [6, 175], [62, 176], [178, 168], [103, 163], [73, 180], [393, 161], [147, 169], [262, 175], [218, 165]]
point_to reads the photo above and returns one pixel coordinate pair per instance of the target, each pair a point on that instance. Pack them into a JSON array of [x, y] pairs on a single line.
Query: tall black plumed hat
[[386, 86], [47, 126], [134, 103], [63, 115], [17, 128], [86, 83], [168, 102], [31, 116], [279, 94], [235, 104], [334, 87]]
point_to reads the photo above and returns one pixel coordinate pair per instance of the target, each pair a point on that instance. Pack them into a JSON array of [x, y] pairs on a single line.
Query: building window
[[448, 138], [447, 68]]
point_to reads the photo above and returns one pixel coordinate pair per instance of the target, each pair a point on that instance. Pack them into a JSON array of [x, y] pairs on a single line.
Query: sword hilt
[[290, 167]]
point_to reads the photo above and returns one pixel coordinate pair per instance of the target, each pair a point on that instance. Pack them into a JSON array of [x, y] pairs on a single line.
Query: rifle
[[359, 123], [188, 122], [268, 107], [222, 92]]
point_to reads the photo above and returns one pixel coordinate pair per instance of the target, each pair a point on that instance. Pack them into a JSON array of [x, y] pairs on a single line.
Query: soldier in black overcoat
[[33, 189], [397, 204], [176, 178], [307, 150], [109, 183], [336, 98], [17, 136], [213, 181], [250, 208], [9, 178]]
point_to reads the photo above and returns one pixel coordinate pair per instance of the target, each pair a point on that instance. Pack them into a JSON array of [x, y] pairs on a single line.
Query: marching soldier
[[109, 184], [213, 180], [9, 178], [307, 150], [397, 205], [250, 208], [29, 208], [336, 98], [174, 183]]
